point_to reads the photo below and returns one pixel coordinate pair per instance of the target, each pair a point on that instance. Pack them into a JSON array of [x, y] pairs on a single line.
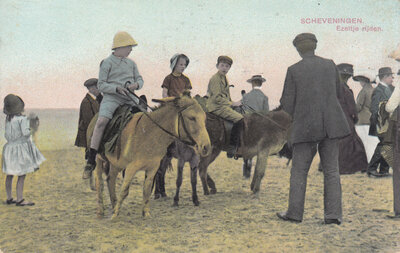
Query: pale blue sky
[[49, 48]]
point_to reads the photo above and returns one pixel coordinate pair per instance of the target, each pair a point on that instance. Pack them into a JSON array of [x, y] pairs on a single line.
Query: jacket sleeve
[[214, 88], [376, 98], [137, 77], [103, 84], [266, 105], [361, 100], [288, 98], [351, 105], [339, 86], [86, 115]]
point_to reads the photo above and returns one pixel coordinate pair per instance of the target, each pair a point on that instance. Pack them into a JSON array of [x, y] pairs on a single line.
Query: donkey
[[264, 135], [184, 153], [143, 143]]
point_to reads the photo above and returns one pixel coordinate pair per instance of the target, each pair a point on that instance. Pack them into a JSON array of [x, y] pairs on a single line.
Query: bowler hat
[[303, 37], [13, 104], [256, 77], [361, 78], [345, 68], [90, 82], [224, 58], [385, 71]]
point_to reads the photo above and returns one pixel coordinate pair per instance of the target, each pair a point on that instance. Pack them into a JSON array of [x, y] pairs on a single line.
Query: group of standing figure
[[326, 120]]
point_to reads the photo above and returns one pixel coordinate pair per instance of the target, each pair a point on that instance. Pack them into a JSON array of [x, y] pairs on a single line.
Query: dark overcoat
[[310, 95], [89, 107], [352, 155]]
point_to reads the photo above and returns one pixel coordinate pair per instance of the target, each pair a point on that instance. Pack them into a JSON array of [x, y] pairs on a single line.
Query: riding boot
[[234, 142], [90, 164]]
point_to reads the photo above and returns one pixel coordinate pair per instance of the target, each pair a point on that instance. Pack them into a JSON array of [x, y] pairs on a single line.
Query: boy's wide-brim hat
[[256, 77], [224, 58], [362, 78], [13, 104], [385, 71], [345, 68], [90, 82], [304, 37], [123, 39]]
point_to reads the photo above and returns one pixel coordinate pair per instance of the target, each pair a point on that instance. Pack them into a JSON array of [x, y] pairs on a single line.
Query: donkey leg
[[193, 181], [129, 174], [148, 182], [259, 171], [205, 178], [211, 184], [247, 164], [99, 188], [160, 178], [179, 178], [194, 163], [112, 176]]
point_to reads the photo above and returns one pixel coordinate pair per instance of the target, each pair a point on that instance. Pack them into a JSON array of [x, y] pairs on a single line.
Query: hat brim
[[361, 79], [253, 79]]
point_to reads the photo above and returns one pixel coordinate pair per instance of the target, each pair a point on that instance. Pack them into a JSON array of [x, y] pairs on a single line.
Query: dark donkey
[[264, 135]]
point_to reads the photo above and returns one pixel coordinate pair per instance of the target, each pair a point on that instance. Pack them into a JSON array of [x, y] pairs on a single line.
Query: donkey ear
[[163, 100]]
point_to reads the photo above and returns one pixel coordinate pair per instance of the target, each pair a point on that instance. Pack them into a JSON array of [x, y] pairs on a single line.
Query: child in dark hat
[[20, 154], [89, 107], [175, 83]]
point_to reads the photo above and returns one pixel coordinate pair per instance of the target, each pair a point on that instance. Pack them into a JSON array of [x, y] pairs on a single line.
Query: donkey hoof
[[196, 203], [163, 195], [213, 191], [100, 215], [176, 203], [146, 214], [157, 196], [206, 193], [114, 217]]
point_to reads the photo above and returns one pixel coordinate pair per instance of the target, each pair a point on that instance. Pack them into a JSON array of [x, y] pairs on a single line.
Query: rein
[[180, 116], [192, 141], [267, 117]]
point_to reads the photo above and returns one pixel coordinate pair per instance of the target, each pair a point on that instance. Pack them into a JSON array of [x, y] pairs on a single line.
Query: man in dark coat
[[89, 107], [381, 93], [310, 96], [352, 155]]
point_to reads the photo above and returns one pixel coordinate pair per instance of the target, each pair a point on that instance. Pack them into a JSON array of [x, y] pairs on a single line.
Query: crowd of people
[[349, 134]]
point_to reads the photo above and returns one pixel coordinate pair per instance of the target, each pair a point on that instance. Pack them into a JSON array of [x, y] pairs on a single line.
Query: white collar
[[384, 84], [257, 88]]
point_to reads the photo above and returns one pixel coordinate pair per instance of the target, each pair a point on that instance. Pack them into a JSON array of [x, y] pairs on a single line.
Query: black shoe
[[333, 221], [283, 216], [87, 172], [395, 217], [376, 174]]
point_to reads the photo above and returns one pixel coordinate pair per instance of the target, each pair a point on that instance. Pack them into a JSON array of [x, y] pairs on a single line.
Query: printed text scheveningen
[[331, 21]]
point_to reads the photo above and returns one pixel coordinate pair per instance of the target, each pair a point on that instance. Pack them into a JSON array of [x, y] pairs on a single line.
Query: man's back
[[310, 95]]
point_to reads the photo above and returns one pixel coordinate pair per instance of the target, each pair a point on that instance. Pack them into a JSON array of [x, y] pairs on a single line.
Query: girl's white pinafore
[[20, 155]]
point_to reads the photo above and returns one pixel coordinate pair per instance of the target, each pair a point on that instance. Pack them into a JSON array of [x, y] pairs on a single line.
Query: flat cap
[[90, 82], [224, 58], [304, 36], [345, 68]]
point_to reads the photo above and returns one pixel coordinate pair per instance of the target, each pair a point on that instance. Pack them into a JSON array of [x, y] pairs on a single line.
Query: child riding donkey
[[118, 76]]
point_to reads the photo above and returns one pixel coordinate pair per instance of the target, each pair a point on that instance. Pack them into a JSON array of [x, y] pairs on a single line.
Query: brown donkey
[[144, 142], [264, 135]]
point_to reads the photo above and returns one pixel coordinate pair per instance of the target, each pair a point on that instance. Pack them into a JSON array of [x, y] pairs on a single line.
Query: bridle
[[192, 142]]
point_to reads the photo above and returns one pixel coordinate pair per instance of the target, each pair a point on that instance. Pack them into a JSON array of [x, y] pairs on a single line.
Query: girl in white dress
[[20, 155]]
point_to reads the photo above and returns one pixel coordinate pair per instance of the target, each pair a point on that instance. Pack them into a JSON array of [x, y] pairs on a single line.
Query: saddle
[[111, 137]]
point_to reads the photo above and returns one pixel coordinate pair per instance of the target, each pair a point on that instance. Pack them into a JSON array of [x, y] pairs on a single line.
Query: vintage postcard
[[277, 121]]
